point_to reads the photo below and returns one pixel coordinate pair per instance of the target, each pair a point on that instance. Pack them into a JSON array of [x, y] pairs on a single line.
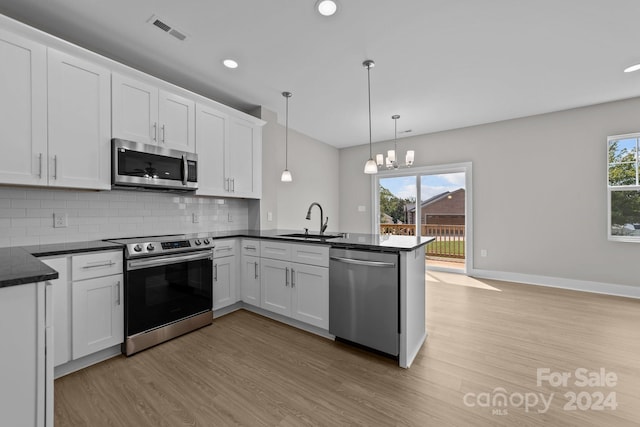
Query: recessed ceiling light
[[326, 7], [230, 63], [632, 68]]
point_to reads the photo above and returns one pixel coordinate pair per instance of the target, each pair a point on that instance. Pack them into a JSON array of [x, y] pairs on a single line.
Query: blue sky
[[405, 186]]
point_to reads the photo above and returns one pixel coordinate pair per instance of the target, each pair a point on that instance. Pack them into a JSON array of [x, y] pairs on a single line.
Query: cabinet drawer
[[275, 250], [250, 247], [224, 248], [310, 254], [96, 264]]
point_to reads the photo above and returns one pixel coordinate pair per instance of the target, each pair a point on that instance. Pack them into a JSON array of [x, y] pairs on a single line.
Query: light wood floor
[[250, 371]]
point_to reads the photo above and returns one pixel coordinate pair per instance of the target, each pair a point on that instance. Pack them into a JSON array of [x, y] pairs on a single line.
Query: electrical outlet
[[269, 216], [230, 217], [483, 252], [59, 220], [362, 208], [195, 218]]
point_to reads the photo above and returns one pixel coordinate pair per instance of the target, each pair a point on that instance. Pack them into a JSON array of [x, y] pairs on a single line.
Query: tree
[[393, 206]]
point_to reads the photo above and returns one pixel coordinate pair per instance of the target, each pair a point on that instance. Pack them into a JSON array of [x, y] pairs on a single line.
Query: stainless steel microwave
[[149, 167]]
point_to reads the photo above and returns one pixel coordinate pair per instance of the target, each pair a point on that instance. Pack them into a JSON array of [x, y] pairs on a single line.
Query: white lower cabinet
[[250, 280], [276, 296], [310, 294], [225, 289], [88, 305], [98, 314], [293, 289]]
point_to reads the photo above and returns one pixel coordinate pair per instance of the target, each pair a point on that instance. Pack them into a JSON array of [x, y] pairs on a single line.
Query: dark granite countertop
[[18, 267], [371, 242], [71, 248]]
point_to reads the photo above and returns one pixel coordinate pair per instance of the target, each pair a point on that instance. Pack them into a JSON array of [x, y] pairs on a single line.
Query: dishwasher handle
[[363, 262]]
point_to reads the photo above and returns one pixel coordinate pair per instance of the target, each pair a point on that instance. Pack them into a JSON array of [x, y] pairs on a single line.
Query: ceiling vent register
[[167, 28]]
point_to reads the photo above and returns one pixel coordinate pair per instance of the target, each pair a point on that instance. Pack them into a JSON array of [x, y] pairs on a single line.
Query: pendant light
[[370, 167], [286, 175], [392, 155]]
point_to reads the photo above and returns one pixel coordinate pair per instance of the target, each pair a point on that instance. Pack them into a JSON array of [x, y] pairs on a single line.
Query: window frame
[[620, 188]]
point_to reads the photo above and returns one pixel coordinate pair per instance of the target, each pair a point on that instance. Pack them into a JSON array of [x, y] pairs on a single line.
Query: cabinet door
[[250, 280], [224, 282], [211, 134], [78, 125], [23, 109], [244, 162], [61, 311], [134, 110], [310, 294], [97, 314], [275, 293], [177, 122]]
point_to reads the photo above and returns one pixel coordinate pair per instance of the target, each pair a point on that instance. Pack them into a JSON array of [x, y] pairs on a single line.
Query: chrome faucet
[[322, 226]]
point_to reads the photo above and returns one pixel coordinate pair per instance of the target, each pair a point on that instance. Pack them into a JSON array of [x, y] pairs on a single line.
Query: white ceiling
[[440, 64]]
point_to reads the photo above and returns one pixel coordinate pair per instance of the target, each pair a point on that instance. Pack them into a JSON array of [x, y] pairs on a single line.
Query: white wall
[[315, 169], [26, 215], [539, 191]]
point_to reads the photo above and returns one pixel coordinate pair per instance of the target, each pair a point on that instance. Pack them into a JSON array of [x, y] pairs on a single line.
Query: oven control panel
[[135, 250]]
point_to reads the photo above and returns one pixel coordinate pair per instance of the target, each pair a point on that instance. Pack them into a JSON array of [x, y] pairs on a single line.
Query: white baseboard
[[558, 282]]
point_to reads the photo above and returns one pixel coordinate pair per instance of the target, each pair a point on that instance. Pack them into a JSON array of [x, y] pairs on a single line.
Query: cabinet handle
[[40, 166], [255, 269], [163, 132], [215, 272], [293, 278], [106, 264], [118, 293], [226, 184], [286, 277], [55, 167], [155, 131], [250, 248], [233, 185]]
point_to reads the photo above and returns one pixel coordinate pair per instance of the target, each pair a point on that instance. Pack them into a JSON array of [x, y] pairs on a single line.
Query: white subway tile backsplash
[[25, 203], [26, 215]]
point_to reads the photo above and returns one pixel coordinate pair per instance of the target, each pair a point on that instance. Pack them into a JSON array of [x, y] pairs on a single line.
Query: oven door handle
[[137, 265]]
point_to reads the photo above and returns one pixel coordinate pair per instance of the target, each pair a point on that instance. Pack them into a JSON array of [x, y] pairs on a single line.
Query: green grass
[[452, 247]]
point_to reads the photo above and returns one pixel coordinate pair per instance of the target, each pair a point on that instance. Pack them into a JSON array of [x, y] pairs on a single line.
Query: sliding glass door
[[428, 201]]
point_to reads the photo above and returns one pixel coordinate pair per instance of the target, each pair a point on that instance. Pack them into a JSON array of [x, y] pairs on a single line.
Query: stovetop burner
[[145, 246]]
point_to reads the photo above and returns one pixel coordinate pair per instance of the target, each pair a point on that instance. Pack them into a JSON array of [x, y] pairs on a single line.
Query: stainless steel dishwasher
[[363, 298]]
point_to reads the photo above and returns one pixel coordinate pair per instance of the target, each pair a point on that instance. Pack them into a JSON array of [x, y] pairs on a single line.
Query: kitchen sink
[[312, 236]]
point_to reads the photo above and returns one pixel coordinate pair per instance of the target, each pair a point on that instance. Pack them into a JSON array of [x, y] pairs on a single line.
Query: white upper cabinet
[[211, 135], [230, 154], [244, 159], [55, 111], [79, 121], [134, 110], [23, 109], [142, 112]]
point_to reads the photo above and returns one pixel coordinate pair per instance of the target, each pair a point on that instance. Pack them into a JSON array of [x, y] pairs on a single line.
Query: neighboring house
[[445, 208], [385, 219]]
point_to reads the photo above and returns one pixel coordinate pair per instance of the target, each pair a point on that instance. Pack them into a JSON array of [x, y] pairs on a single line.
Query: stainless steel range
[[167, 288]]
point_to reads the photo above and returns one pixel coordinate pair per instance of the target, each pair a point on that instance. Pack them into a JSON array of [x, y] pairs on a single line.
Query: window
[[623, 187]]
